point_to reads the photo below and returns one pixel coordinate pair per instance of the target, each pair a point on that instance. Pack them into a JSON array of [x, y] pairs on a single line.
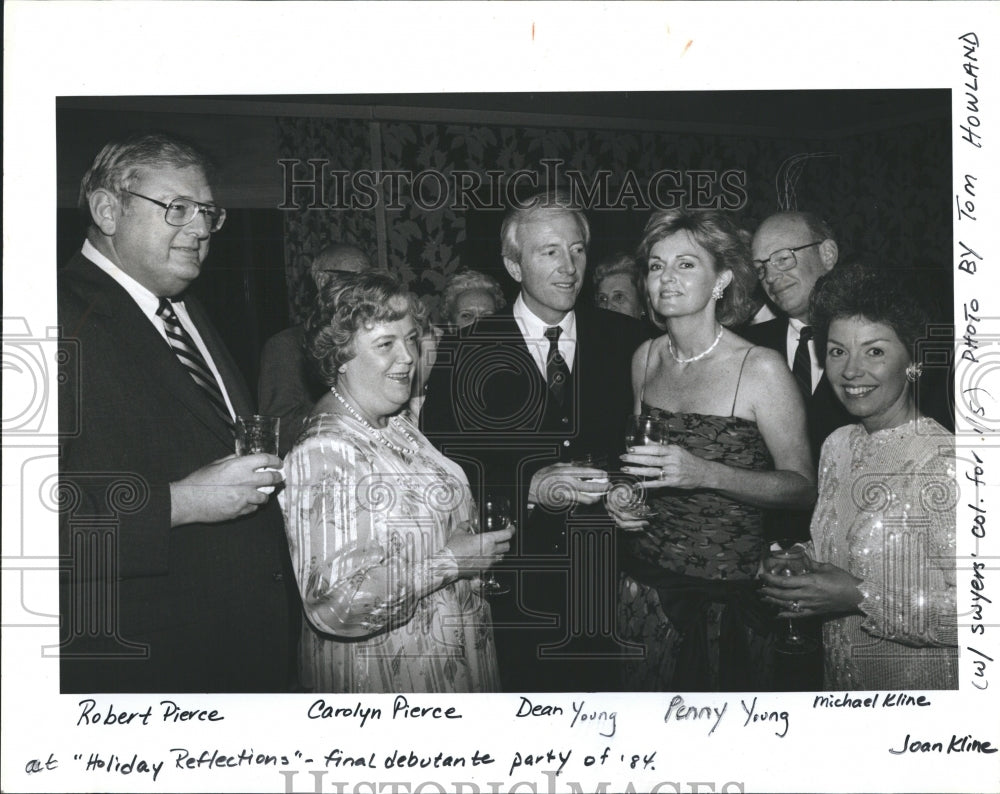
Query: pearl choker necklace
[[679, 360], [379, 434]]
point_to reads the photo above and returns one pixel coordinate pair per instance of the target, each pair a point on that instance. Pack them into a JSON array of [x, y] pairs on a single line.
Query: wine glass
[[625, 495], [495, 516], [256, 433], [787, 558], [643, 429]]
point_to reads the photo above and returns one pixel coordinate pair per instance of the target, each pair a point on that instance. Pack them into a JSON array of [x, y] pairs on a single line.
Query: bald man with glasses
[[176, 573], [791, 251]]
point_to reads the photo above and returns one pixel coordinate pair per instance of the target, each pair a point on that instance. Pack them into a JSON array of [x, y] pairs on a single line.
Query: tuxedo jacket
[[146, 607], [824, 412], [488, 406]]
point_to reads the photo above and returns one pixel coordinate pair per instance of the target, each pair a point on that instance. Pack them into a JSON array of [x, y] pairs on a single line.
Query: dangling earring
[[717, 291], [914, 371]]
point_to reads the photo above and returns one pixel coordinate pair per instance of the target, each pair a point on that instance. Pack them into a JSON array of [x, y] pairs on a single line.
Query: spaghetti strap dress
[[687, 593]]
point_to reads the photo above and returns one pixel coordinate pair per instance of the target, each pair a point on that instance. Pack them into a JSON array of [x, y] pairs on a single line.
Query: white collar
[[146, 300], [798, 325], [533, 327]]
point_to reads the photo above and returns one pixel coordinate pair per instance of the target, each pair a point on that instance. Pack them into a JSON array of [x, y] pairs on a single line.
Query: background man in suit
[[287, 388], [790, 251], [517, 398], [178, 565]]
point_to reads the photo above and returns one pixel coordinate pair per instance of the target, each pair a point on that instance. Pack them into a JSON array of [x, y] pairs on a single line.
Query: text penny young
[[679, 711]]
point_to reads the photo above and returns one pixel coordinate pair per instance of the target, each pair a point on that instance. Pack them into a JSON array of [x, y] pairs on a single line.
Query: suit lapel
[[136, 334], [507, 332], [231, 376]]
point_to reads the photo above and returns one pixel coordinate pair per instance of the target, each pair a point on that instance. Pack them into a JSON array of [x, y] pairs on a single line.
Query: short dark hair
[[859, 290], [553, 201], [348, 304], [716, 233], [117, 166]]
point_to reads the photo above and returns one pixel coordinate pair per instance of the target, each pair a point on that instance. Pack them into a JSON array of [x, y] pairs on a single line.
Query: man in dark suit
[[791, 250], [287, 388], [176, 566], [532, 402]]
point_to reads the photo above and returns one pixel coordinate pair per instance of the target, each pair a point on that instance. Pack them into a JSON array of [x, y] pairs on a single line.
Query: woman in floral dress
[[381, 525]]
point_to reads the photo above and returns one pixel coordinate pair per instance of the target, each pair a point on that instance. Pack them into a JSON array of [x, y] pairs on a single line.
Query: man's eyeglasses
[[181, 211], [780, 260]]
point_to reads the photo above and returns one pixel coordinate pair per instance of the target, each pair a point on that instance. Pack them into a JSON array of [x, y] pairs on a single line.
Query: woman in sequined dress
[[737, 444], [379, 523], [883, 531]]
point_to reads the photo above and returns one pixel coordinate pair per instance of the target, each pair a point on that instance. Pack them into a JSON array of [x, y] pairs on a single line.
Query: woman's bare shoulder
[[766, 376]]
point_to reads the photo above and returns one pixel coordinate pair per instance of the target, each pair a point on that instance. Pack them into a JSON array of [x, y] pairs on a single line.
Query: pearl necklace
[[379, 433], [679, 360]]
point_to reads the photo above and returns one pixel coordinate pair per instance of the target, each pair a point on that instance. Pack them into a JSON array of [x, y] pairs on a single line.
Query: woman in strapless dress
[[736, 445]]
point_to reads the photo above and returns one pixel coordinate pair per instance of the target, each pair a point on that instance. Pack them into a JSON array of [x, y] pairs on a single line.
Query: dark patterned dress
[[688, 592]]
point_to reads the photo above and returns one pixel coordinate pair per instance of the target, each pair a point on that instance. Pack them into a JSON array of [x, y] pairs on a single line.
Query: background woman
[[618, 286], [377, 520], [466, 297], [884, 526], [737, 443], [469, 295]]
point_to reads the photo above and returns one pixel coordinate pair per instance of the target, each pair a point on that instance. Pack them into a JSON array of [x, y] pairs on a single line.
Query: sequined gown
[[698, 533], [886, 513], [367, 524]]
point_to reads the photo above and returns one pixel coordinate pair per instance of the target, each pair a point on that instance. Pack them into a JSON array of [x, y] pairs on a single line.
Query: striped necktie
[[188, 354], [802, 363]]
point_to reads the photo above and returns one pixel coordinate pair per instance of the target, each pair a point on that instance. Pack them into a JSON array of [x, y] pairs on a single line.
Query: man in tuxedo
[[532, 402], [287, 387], [790, 251], [176, 569]]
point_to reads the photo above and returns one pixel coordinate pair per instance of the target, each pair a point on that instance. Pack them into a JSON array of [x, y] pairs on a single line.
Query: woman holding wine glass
[[883, 532], [736, 443], [382, 528]]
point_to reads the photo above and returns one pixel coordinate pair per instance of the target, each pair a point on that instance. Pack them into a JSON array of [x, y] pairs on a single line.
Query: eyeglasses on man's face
[[780, 260], [181, 211]]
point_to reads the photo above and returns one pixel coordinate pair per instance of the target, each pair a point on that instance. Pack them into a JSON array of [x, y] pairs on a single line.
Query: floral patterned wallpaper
[[885, 193], [345, 145]]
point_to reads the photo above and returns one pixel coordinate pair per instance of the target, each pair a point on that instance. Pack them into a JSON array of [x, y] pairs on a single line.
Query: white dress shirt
[[149, 303], [533, 328], [791, 345]]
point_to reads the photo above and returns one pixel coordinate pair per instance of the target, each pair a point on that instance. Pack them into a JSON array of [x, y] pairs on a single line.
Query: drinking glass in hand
[[495, 516], [787, 558], [641, 429], [256, 433]]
